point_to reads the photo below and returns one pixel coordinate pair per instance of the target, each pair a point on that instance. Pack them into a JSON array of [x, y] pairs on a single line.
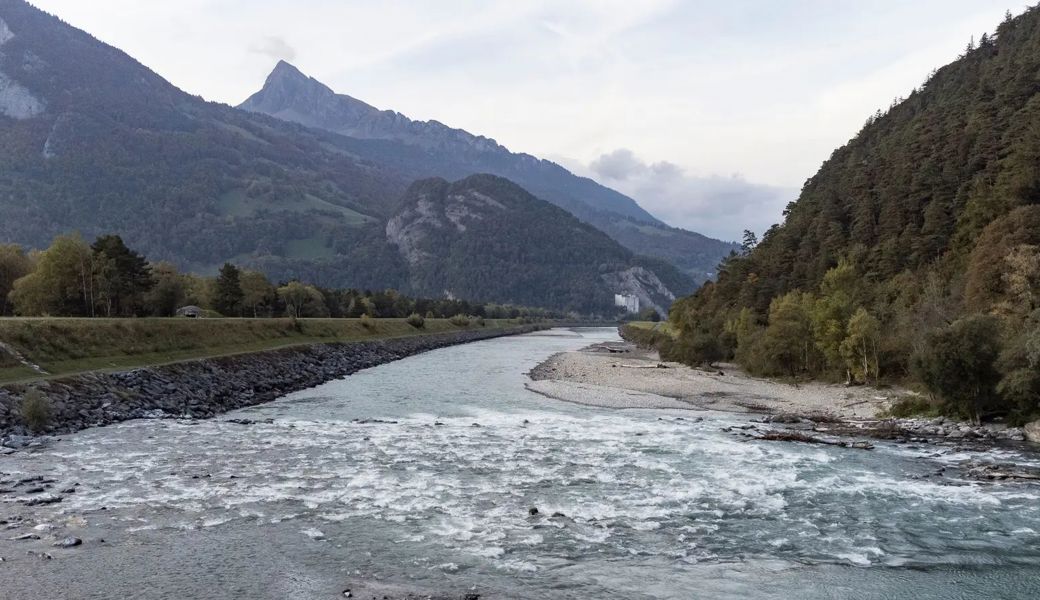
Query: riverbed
[[442, 475]]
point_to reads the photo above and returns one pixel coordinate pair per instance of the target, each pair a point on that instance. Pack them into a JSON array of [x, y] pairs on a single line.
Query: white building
[[627, 301]]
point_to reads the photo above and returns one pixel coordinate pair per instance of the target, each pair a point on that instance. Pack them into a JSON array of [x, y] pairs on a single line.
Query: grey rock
[[69, 542]]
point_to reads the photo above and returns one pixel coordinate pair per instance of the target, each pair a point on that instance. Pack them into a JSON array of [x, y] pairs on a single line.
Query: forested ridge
[[486, 237], [913, 254], [431, 149]]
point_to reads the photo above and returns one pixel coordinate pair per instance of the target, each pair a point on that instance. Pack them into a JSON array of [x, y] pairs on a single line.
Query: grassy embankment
[[650, 335], [67, 346], [661, 327]]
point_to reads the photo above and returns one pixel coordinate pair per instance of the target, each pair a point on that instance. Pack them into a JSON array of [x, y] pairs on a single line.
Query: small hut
[[191, 312]]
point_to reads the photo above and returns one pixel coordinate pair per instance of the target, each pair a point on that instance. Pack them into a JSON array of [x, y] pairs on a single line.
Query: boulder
[[69, 542], [1032, 431]]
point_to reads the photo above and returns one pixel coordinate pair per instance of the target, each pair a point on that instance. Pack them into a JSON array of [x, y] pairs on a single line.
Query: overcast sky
[[710, 113]]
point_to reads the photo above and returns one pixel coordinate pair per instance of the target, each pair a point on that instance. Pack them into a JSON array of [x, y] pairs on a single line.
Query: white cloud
[[715, 205], [274, 47]]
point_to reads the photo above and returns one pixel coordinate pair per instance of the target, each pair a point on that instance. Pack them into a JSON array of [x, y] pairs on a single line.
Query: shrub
[[479, 321], [460, 321], [698, 349], [416, 320], [36, 410], [959, 366], [912, 406], [367, 322]]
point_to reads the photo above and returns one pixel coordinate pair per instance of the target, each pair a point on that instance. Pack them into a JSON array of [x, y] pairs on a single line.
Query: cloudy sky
[[710, 113]]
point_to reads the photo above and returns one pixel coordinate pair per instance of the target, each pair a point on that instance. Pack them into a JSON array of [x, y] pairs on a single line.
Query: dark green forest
[[913, 255]]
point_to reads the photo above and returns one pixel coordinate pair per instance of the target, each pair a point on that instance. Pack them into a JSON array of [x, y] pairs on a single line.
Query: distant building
[[191, 312], [627, 301]]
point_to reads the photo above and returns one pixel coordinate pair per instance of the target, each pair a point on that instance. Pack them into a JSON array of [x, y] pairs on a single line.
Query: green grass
[[311, 248], [238, 204], [67, 346], [662, 327]]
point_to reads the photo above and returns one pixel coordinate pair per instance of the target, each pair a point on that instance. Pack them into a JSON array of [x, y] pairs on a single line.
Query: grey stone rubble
[[939, 429], [942, 427], [208, 387]]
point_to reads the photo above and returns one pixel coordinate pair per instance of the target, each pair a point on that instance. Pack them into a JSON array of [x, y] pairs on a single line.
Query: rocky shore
[[205, 388], [621, 375]]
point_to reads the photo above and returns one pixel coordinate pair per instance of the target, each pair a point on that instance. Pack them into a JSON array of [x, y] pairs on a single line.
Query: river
[[420, 475]]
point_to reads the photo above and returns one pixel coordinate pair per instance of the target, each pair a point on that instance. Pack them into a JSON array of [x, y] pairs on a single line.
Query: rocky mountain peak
[[287, 77], [291, 95]]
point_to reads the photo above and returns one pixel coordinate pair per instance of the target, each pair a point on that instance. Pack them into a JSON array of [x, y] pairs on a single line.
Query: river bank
[[208, 387], [622, 375], [419, 477]]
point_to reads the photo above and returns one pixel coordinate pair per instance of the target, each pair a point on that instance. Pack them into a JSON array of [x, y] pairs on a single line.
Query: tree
[[257, 292], [787, 344], [959, 365], [62, 283], [14, 264], [302, 300], [122, 277], [650, 314], [1020, 363], [169, 292], [860, 347], [1022, 280], [832, 311], [749, 243], [228, 295]]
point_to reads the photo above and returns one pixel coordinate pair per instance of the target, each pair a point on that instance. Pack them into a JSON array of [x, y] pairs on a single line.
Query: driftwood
[[657, 366], [798, 436]]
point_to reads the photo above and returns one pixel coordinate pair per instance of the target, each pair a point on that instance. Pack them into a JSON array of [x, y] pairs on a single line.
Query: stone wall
[[208, 387]]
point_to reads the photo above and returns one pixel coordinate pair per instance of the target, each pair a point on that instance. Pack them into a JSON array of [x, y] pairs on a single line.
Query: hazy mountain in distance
[[439, 150], [91, 141]]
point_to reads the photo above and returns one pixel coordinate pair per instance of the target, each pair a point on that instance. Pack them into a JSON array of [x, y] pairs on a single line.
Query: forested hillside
[[914, 253], [431, 149], [486, 237], [93, 142]]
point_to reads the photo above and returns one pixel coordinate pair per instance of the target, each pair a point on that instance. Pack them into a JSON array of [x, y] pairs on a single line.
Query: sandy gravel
[[619, 375]]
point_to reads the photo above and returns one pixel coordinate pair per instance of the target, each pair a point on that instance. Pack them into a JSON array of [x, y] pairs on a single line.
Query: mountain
[[434, 149], [486, 237], [93, 141], [928, 220]]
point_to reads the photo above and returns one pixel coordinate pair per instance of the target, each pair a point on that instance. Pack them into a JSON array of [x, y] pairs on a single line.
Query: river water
[[420, 475]]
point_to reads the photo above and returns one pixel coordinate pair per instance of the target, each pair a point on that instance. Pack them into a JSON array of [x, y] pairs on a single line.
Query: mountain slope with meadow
[[92, 141]]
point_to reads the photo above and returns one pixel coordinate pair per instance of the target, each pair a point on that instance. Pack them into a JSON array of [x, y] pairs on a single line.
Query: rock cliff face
[[486, 238], [643, 284], [204, 388], [16, 101]]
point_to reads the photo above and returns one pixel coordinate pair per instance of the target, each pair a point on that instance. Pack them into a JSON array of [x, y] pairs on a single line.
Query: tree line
[[912, 256], [72, 278]]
